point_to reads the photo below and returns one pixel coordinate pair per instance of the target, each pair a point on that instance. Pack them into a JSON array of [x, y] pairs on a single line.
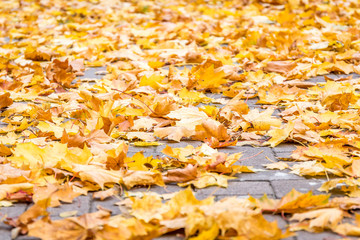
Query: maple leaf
[[337, 96], [6, 189], [133, 178], [188, 173], [280, 66], [154, 81], [279, 135], [102, 195], [173, 133], [319, 220], [5, 100], [210, 78], [80, 228], [97, 174]]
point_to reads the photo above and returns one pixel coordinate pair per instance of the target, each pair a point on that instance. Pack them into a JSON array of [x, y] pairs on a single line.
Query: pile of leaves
[[63, 136]]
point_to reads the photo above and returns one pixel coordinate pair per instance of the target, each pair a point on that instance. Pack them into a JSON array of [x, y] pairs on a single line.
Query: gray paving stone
[[80, 204], [252, 156], [282, 187], [150, 149], [283, 155], [26, 238], [252, 102], [177, 235], [169, 188], [5, 233], [219, 197], [285, 148], [318, 79], [108, 203], [282, 223], [237, 189], [302, 235], [267, 175], [13, 211], [10, 212], [91, 72]]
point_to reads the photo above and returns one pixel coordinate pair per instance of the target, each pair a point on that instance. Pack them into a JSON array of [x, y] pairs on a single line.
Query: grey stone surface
[[108, 203], [92, 73], [266, 175], [302, 235], [150, 149], [80, 204], [285, 148], [282, 187], [283, 155], [237, 189], [252, 156], [5, 233], [13, 211], [169, 188], [282, 223]]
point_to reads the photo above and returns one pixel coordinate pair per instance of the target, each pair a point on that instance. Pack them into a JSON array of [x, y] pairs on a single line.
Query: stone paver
[[108, 203], [302, 235], [81, 204], [237, 189], [252, 156], [282, 187]]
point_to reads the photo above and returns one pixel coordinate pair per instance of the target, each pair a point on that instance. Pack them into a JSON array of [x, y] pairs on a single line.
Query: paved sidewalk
[[274, 183]]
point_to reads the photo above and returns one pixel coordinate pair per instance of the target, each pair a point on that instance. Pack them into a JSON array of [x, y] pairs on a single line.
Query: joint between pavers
[[273, 189]]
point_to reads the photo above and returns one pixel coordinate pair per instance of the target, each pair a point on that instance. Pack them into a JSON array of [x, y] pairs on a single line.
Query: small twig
[[251, 156], [134, 98]]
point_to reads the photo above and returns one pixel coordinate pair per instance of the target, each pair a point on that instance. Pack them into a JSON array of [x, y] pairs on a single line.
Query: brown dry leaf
[[81, 227], [96, 174], [280, 66], [173, 133], [102, 195], [6, 189], [318, 220], [188, 173], [133, 178], [211, 128], [5, 100], [277, 165]]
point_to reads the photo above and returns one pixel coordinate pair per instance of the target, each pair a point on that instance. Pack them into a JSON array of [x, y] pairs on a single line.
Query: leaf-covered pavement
[[179, 80]]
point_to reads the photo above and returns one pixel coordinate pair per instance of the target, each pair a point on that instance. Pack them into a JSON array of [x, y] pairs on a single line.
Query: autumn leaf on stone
[[173, 133], [147, 178], [116, 157], [210, 128], [102, 195], [318, 220], [6, 189], [5, 100], [97, 174], [188, 117], [76, 227], [188, 173], [280, 66], [260, 120], [280, 134], [61, 72], [39, 54], [337, 96], [209, 77]]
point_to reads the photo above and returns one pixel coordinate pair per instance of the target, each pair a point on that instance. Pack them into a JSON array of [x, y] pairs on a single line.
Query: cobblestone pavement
[[274, 183]]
